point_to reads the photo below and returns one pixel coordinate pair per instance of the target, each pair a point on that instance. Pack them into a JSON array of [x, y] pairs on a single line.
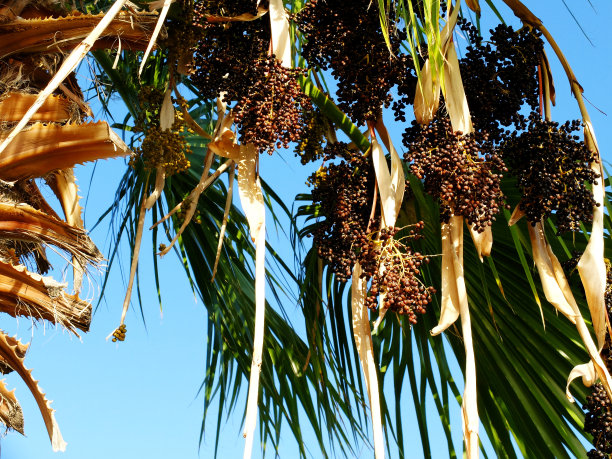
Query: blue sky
[[139, 399]]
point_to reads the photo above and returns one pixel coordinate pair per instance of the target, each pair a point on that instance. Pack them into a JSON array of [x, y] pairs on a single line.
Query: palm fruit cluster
[[344, 192], [397, 278], [552, 168], [500, 77], [119, 333], [463, 172], [233, 61], [347, 38], [160, 148]]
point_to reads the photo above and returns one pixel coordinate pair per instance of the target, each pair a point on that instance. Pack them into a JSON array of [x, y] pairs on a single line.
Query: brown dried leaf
[[517, 214], [63, 184], [592, 266], [483, 242], [474, 5], [522, 12], [391, 184], [454, 93], [224, 143], [166, 113]]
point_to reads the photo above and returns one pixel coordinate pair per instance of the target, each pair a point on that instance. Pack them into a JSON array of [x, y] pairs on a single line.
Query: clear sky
[[138, 399]]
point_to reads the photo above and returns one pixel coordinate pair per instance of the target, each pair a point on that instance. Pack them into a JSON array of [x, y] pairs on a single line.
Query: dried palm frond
[[20, 350], [25, 223], [55, 109], [27, 294], [10, 410], [49, 35], [10, 354], [44, 148]]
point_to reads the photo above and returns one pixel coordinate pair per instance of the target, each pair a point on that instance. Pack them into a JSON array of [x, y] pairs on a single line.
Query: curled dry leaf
[[592, 266], [363, 343], [455, 304], [452, 246], [483, 242], [552, 283], [517, 214], [474, 5], [427, 97], [166, 113], [391, 184], [9, 353], [281, 40], [63, 184], [224, 143], [251, 198], [586, 371], [454, 93]]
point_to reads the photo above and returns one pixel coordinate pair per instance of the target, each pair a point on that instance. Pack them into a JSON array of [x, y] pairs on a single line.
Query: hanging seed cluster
[[270, 113], [462, 172], [160, 148], [182, 37], [229, 8], [397, 276], [310, 146], [232, 60], [598, 409], [349, 234], [552, 167], [500, 77], [119, 333], [346, 37], [344, 194], [598, 422]]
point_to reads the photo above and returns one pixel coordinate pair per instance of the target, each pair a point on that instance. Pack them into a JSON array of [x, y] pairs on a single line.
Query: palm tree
[[317, 377]]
